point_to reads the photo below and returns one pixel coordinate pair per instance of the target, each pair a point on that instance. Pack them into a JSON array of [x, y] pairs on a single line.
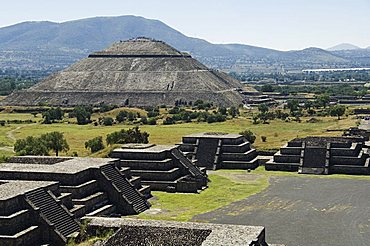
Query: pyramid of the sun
[[136, 72]]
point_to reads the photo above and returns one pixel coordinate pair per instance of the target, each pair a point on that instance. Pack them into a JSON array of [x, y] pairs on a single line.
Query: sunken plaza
[[53, 200]]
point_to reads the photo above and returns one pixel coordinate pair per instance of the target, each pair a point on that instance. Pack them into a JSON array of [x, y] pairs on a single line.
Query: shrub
[[83, 114], [41, 145], [95, 144], [152, 121], [144, 120], [127, 136], [121, 116], [168, 121], [249, 135], [108, 121]]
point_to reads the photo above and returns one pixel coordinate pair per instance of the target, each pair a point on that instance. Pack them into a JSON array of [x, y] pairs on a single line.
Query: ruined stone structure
[[162, 167], [31, 214], [322, 155], [59, 191], [131, 232], [139, 72], [219, 151]]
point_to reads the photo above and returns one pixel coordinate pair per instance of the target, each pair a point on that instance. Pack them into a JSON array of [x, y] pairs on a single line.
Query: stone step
[[105, 210], [54, 213], [81, 190], [136, 181], [78, 211], [145, 191], [66, 199], [127, 189], [91, 199]]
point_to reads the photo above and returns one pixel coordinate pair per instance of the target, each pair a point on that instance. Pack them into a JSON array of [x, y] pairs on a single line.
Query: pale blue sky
[[278, 24]]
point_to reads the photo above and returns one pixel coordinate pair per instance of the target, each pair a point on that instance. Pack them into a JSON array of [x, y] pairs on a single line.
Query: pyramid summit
[[136, 72]]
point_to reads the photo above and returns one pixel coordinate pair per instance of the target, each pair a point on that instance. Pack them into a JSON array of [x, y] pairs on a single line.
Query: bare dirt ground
[[299, 211]]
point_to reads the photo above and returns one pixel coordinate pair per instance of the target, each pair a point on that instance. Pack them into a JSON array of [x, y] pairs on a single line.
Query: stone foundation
[[322, 155], [162, 167], [219, 151]]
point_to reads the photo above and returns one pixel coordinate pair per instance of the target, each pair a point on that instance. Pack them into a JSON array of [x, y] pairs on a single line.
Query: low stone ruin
[[219, 151], [162, 167], [131, 232], [322, 155]]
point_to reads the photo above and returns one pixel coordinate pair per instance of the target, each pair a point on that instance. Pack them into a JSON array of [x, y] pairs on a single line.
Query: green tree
[[322, 101], [263, 108], [133, 135], [121, 116], [31, 146], [55, 141], [233, 111], [95, 144], [82, 114], [47, 118], [52, 115], [249, 135], [108, 121], [168, 121], [337, 110], [144, 120], [292, 105], [222, 110]]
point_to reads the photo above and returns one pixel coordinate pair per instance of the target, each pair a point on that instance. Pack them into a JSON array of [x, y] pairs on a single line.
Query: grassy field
[[277, 132]]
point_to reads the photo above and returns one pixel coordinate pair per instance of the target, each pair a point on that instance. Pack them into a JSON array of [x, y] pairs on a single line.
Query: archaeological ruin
[[35, 213], [322, 155], [162, 167], [217, 150], [131, 232], [137, 72], [76, 187]]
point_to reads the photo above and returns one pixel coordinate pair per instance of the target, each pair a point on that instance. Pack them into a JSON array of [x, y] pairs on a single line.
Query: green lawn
[[221, 191]]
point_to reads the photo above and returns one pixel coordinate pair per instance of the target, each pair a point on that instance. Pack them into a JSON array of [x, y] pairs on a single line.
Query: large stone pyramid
[[138, 72]]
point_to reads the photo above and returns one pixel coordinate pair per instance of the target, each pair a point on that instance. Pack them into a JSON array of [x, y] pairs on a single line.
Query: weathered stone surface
[[217, 234], [162, 167], [136, 72], [322, 155], [218, 150]]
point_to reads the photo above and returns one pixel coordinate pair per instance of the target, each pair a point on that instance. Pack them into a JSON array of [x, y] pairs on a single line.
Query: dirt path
[[10, 134], [7, 149]]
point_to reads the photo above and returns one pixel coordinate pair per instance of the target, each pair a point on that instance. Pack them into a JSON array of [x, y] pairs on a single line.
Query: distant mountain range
[[344, 46], [53, 46]]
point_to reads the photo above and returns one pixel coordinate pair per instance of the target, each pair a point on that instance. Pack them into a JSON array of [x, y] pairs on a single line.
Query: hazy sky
[[278, 24]]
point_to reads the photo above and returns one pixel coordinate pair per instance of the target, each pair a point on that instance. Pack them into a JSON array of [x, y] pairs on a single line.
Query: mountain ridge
[[52, 45], [344, 46]]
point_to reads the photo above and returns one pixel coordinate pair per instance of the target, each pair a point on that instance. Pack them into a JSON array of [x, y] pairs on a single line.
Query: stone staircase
[[138, 203], [195, 171], [86, 199], [55, 214]]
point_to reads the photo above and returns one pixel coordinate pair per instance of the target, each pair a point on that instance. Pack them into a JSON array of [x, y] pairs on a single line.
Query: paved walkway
[[300, 211]]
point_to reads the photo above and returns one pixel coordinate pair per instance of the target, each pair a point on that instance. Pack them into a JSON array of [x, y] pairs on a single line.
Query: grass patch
[[221, 192], [20, 116]]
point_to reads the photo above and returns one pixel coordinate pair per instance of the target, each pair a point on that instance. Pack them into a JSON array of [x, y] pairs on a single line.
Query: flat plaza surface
[[302, 211]]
